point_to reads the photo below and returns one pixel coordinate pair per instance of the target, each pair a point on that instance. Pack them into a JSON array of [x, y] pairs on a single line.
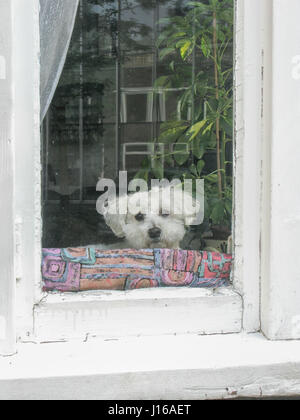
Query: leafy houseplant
[[197, 47]]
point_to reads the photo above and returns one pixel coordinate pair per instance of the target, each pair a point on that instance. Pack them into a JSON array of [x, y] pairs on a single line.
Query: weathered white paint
[[296, 67], [266, 166], [280, 242], [247, 206], [7, 278], [28, 166], [2, 328], [138, 312], [247, 189], [18, 248], [76, 317], [185, 367], [2, 68]]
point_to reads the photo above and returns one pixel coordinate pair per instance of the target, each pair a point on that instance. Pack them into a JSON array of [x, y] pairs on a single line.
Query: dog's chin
[[157, 244]]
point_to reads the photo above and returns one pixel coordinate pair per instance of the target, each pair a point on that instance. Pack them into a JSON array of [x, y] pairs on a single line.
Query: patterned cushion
[[80, 269]]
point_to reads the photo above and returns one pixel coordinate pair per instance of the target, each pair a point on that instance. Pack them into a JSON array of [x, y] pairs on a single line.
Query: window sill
[[61, 317], [188, 367]]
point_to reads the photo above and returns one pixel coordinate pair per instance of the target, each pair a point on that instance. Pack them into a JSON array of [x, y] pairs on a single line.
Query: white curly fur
[[169, 214]]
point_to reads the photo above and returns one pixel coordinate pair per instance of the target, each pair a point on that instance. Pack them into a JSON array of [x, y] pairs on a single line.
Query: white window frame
[[7, 285], [112, 314], [57, 317]]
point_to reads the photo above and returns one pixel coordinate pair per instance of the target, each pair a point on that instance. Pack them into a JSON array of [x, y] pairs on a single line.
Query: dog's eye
[[140, 217]]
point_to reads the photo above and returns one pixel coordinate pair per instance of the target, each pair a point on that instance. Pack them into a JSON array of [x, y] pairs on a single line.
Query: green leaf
[[181, 43], [144, 172], [180, 153], [205, 47], [226, 127], [196, 128], [208, 128], [165, 51], [158, 169], [162, 37], [164, 21], [198, 148], [162, 81], [218, 212], [200, 166], [228, 206], [185, 49], [193, 170], [172, 134], [221, 36], [212, 140], [199, 5], [213, 178], [177, 35]]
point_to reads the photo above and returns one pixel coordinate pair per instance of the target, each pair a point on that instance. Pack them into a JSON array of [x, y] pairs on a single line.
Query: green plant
[[197, 48]]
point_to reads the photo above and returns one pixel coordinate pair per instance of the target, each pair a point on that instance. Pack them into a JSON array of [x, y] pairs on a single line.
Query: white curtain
[[57, 18]]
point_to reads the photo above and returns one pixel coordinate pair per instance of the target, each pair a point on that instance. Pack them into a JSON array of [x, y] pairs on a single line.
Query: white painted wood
[[2, 67], [28, 166], [266, 167], [147, 312], [29, 219], [7, 277], [139, 312], [174, 368], [247, 206], [280, 242]]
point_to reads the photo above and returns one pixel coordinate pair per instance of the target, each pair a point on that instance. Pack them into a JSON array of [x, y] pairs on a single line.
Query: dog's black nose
[[154, 233]]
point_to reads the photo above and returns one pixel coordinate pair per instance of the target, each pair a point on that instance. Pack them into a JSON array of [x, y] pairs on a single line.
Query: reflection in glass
[[140, 71]]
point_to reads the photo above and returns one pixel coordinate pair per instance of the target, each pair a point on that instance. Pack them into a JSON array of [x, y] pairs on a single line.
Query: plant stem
[[223, 164], [220, 188]]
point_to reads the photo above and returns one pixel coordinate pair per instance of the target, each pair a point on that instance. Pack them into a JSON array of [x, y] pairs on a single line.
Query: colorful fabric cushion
[[81, 269]]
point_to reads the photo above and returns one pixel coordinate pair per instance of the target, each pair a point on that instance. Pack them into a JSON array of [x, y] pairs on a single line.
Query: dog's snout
[[154, 233]]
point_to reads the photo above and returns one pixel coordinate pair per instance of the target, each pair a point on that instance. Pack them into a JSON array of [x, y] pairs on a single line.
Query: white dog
[[154, 219]]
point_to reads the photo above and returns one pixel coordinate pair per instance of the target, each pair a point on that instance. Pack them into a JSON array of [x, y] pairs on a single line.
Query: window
[[147, 88], [77, 130], [64, 316], [137, 95]]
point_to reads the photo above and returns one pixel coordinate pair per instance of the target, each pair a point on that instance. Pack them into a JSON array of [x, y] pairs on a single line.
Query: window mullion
[[281, 204], [7, 276]]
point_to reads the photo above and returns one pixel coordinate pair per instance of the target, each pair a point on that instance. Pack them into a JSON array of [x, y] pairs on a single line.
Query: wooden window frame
[[42, 317]]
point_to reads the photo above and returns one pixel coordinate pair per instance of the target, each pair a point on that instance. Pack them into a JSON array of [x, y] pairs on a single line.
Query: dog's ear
[[115, 215]]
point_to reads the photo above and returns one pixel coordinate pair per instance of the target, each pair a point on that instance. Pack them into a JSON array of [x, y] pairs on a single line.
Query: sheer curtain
[[57, 18]]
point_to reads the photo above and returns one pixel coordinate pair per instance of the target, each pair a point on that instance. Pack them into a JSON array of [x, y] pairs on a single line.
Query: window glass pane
[[147, 89]]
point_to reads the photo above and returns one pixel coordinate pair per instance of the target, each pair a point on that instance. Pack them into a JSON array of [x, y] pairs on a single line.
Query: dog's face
[[154, 230], [159, 225]]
